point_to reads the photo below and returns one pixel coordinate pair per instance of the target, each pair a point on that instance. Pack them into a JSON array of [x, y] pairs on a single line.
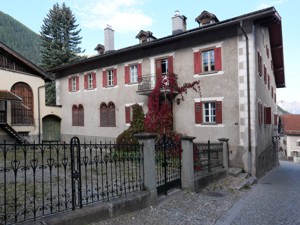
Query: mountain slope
[[20, 38]]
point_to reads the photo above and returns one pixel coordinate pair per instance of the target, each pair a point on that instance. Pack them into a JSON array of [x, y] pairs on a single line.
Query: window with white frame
[[110, 78], [73, 84], [209, 112], [208, 60], [133, 69], [90, 81]]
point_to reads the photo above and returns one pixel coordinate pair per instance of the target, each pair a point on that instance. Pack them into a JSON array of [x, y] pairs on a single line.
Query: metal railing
[[43, 179], [147, 82], [208, 157]]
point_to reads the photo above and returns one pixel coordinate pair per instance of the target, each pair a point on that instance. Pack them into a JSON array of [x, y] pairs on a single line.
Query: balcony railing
[[148, 82]]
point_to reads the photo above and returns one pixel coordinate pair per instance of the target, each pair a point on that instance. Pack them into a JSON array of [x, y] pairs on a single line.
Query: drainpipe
[[39, 112], [248, 86]]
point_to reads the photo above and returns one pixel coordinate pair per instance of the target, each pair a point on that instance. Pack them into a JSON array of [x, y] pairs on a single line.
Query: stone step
[[234, 171]]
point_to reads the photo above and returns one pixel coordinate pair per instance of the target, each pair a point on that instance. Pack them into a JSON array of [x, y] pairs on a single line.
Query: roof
[[268, 17], [291, 124], [9, 96], [25, 62]]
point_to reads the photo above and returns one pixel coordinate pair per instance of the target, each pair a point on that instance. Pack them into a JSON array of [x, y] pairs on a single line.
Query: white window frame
[[210, 55], [133, 73], [74, 79], [110, 78], [209, 112], [90, 81]]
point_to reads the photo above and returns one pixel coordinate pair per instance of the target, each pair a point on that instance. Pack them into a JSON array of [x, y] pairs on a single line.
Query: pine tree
[[60, 45], [60, 37]]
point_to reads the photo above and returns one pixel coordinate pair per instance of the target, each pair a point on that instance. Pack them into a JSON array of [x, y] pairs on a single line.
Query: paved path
[[275, 200]]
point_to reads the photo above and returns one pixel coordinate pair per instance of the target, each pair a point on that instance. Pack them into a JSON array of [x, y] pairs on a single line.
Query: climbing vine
[[159, 118]]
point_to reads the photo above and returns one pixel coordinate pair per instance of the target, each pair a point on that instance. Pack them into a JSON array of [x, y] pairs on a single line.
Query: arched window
[[107, 114], [22, 112], [77, 115]]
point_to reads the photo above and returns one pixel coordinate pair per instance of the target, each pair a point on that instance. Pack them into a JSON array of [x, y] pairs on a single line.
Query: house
[[290, 143], [23, 113], [239, 62]]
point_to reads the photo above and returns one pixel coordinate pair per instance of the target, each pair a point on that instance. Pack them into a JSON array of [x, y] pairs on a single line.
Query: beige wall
[[8, 79]]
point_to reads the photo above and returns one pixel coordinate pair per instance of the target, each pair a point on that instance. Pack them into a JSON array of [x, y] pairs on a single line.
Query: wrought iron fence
[[168, 164], [208, 157], [42, 179]]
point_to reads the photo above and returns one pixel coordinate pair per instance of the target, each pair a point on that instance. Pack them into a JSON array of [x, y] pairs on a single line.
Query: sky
[[128, 17]]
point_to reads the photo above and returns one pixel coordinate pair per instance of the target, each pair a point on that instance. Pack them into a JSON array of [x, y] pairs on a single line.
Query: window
[[272, 92], [208, 60], [73, 84], [265, 74], [107, 114], [260, 113], [90, 81], [268, 81], [22, 112], [208, 112], [77, 115], [109, 78], [259, 64], [268, 115], [133, 73], [298, 143], [164, 66]]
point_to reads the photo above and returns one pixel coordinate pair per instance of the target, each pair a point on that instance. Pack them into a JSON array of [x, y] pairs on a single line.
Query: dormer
[[206, 18], [145, 36], [100, 49]]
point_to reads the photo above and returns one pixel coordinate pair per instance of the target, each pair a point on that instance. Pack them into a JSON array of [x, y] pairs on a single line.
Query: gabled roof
[[9, 96], [267, 17], [291, 124], [34, 69]]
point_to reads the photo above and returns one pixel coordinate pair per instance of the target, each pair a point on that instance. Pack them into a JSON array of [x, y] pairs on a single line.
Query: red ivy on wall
[[159, 118]]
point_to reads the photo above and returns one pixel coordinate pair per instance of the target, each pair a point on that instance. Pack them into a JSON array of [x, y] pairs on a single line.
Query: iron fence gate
[[168, 164], [43, 179]]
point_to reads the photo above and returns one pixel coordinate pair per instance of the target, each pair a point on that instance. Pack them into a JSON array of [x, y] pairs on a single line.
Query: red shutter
[[77, 83], [218, 59], [197, 62], [127, 114], [126, 71], [104, 78], [170, 65], [139, 68], [275, 119], [85, 81], [269, 81], [265, 74], [94, 80], [268, 114], [70, 84], [158, 69], [198, 112], [115, 77], [218, 112]]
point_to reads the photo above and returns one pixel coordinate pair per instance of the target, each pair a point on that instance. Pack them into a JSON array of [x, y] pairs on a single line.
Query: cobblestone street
[[273, 200]]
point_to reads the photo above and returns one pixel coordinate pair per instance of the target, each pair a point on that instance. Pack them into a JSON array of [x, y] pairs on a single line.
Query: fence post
[[225, 152], [187, 163], [148, 140]]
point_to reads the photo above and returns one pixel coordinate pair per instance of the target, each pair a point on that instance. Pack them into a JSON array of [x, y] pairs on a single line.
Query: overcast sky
[[128, 17]]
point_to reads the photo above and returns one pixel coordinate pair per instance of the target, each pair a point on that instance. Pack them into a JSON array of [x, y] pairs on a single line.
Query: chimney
[[109, 39], [178, 23]]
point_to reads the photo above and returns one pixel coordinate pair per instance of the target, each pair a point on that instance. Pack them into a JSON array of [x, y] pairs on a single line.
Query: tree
[[60, 37], [60, 42]]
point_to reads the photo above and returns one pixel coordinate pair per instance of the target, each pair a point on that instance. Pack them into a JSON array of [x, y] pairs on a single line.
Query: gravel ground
[[190, 208]]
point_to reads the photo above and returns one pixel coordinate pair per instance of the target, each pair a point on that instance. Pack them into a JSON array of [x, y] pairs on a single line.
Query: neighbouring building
[[239, 62], [23, 113], [290, 143]]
